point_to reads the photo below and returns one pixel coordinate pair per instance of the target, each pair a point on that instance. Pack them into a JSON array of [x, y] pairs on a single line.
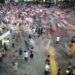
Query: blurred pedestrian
[[47, 69], [69, 65], [30, 36], [1, 58], [13, 45], [20, 51], [26, 55], [57, 40], [38, 32], [31, 54], [71, 72], [59, 72], [67, 71], [5, 47], [47, 61]]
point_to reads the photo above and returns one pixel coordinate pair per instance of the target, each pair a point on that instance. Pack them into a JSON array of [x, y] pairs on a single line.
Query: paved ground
[[32, 67]]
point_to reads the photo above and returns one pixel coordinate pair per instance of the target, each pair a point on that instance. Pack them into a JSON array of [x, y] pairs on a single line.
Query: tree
[[2, 1]]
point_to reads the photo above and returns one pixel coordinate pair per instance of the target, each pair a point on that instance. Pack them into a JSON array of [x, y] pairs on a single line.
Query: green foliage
[[1, 1], [49, 1], [64, 5]]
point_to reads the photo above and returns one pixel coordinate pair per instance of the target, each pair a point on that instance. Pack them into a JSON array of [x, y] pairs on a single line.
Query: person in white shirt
[[26, 55], [32, 42], [57, 40], [67, 71], [47, 68], [34, 29]]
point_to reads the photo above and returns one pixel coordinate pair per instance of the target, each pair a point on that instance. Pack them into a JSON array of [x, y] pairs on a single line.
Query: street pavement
[[32, 67]]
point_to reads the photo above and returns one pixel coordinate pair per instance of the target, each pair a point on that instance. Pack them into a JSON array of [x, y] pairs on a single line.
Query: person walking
[[5, 47], [1, 58], [20, 51], [57, 40], [71, 72], [26, 55], [59, 72], [47, 68], [67, 71], [13, 45], [47, 61], [31, 54], [30, 36], [70, 66]]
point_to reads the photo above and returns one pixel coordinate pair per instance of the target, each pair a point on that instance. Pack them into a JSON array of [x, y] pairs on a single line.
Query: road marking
[[53, 63], [72, 49]]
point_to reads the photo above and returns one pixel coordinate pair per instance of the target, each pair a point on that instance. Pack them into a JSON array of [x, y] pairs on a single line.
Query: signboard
[[5, 35]]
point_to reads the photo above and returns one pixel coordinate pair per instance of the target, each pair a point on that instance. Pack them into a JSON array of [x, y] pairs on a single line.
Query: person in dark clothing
[[1, 58], [47, 61], [20, 51], [71, 72], [31, 54], [25, 74], [46, 73], [13, 45], [38, 32], [5, 47], [59, 72], [29, 36]]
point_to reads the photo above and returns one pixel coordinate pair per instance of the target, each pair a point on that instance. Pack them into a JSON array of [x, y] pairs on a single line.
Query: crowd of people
[[25, 16], [70, 70], [31, 18]]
